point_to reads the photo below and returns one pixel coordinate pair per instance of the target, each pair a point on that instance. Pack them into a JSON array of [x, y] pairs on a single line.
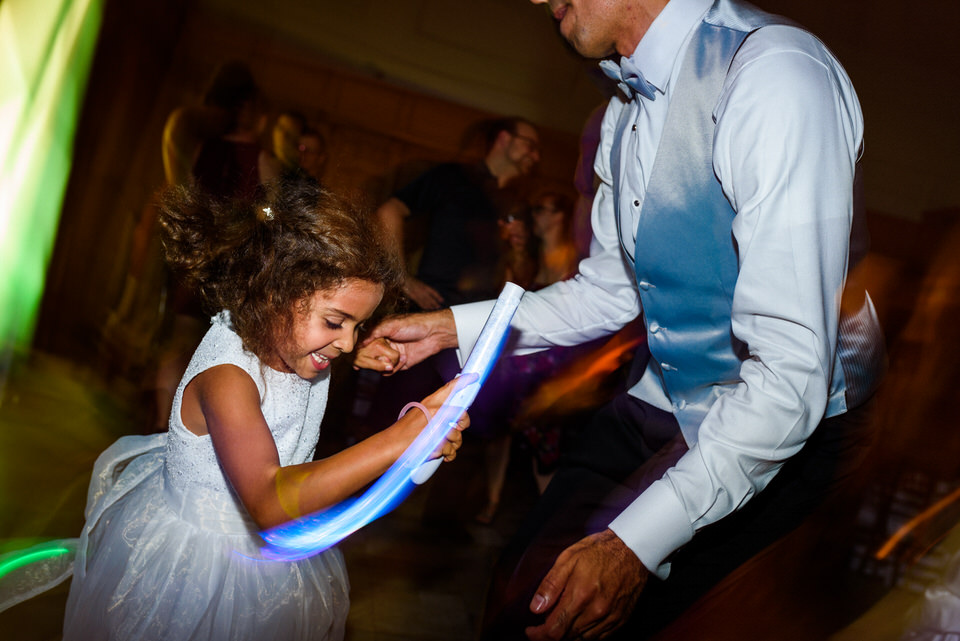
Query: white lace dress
[[168, 551]]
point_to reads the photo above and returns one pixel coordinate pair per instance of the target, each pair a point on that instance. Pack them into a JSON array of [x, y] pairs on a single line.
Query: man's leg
[[585, 494], [588, 492], [825, 469]]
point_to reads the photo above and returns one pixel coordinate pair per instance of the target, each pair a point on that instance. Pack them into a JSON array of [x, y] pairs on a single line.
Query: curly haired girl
[[169, 547]]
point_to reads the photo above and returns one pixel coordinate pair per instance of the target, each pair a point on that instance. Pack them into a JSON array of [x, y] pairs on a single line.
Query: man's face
[[524, 148], [591, 26]]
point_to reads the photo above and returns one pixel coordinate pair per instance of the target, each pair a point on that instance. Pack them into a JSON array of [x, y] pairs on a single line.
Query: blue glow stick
[[315, 533]]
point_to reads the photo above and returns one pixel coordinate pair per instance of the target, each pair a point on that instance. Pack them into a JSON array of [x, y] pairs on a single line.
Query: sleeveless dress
[[169, 552]]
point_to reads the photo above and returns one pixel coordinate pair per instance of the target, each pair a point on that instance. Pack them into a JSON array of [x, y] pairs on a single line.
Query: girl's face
[[328, 328]]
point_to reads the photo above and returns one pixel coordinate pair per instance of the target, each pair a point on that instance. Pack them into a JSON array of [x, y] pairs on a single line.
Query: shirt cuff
[[654, 526], [470, 319]]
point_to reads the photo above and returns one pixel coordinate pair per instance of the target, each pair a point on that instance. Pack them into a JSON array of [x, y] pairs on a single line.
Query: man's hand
[[426, 297], [400, 342], [590, 591]]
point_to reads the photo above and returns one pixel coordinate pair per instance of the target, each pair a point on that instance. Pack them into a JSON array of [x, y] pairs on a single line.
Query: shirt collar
[[660, 46]]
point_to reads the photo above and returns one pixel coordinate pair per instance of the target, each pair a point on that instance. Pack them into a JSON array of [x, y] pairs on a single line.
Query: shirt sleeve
[[788, 135], [423, 192]]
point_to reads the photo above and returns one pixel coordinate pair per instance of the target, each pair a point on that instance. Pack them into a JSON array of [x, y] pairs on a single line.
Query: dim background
[[393, 85]]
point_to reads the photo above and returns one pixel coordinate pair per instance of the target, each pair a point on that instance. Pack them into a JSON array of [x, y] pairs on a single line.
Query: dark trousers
[[627, 446]]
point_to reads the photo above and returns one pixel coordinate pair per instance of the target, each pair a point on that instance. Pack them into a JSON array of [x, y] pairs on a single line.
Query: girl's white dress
[[168, 551]]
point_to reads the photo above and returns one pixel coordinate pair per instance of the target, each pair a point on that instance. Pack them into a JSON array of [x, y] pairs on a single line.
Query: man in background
[[462, 204]]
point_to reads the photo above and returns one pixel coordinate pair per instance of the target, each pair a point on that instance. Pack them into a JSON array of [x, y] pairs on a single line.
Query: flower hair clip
[[267, 213]]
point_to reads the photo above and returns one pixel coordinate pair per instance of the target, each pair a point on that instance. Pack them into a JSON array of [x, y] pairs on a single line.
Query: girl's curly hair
[[262, 260]]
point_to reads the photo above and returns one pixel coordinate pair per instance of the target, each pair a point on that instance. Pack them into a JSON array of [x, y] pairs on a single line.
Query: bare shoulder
[[225, 392]]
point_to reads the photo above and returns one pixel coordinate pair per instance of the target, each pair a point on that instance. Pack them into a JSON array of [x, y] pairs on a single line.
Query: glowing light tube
[[315, 533], [13, 561]]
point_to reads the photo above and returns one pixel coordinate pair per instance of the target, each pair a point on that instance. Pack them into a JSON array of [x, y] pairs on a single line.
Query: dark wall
[[154, 57]]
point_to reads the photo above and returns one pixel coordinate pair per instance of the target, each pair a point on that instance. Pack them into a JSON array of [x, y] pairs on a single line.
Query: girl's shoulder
[[221, 345]]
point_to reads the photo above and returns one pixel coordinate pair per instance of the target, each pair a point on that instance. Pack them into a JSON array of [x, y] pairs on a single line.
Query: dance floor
[[417, 573]]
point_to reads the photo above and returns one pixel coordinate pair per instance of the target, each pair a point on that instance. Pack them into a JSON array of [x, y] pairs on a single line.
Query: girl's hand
[[379, 354], [414, 336], [448, 449], [454, 439]]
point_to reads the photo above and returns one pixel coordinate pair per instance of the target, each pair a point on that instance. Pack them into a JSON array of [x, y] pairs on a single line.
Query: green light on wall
[[46, 48]]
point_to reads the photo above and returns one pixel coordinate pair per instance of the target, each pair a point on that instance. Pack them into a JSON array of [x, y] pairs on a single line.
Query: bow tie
[[628, 77]]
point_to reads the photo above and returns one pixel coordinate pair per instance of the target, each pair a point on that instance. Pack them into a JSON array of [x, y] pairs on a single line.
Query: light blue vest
[[686, 261]]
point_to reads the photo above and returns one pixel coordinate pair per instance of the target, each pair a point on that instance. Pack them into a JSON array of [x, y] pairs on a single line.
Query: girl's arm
[[224, 402]]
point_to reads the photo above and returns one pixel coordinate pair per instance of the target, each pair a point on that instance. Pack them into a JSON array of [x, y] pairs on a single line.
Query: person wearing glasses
[[454, 216], [459, 205]]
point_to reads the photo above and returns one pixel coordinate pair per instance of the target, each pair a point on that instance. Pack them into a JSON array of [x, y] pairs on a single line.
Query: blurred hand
[[433, 403], [590, 591], [426, 297], [448, 450]]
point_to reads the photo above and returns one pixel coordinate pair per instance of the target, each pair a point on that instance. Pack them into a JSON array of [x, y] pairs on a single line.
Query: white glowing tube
[[316, 532], [482, 358]]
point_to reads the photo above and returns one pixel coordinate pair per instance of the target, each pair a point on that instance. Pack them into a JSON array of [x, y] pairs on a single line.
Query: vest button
[[667, 367], [654, 327], [680, 406], [644, 285]]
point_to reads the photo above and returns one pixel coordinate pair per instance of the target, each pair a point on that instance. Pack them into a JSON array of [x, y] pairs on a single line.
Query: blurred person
[[755, 404], [171, 548], [519, 266], [925, 359], [236, 163], [915, 480], [462, 204], [184, 132], [466, 210], [552, 214], [312, 151], [231, 164], [557, 258], [519, 252], [585, 180], [285, 139], [540, 251]]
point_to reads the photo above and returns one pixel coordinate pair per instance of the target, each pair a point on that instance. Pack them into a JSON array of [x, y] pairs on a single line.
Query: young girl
[[170, 546]]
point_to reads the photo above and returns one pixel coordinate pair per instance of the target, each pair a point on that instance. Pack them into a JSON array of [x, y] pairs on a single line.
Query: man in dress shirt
[[725, 215]]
